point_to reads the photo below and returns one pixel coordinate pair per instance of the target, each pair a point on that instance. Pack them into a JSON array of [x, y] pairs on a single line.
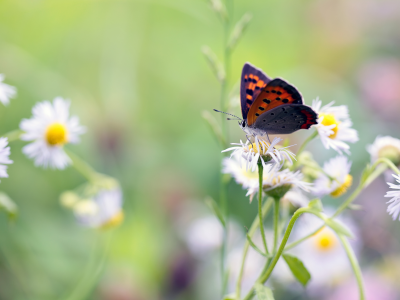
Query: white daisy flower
[[50, 129], [385, 147], [103, 210], [394, 203], [273, 178], [261, 149], [335, 178], [334, 126], [4, 157], [6, 91]]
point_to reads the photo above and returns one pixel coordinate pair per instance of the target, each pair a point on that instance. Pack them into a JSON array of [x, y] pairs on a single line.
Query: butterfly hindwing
[[276, 93], [286, 118], [252, 82]]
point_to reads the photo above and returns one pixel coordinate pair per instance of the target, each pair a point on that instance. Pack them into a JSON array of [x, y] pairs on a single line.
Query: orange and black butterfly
[[271, 106]]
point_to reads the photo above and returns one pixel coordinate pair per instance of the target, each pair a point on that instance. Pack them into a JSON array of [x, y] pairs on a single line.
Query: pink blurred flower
[[376, 288]]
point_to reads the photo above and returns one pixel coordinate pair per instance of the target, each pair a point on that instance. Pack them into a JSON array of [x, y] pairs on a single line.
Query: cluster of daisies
[[96, 204], [281, 168]]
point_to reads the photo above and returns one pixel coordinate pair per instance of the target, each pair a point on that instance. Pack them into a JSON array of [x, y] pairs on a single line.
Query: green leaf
[[298, 269], [254, 246], [338, 227], [8, 205], [238, 30], [215, 209], [316, 204], [214, 63], [263, 292]]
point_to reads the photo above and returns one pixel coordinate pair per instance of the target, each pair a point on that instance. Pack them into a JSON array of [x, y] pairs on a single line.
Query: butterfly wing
[[277, 92], [253, 80], [286, 118]]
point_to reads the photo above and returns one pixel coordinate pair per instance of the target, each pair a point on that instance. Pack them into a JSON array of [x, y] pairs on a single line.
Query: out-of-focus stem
[[265, 209], [260, 191], [354, 265]]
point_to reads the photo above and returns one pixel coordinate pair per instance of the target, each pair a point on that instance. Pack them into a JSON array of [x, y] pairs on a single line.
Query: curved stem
[[354, 265], [81, 166], [377, 172], [265, 275], [309, 139], [252, 230], [260, 184]]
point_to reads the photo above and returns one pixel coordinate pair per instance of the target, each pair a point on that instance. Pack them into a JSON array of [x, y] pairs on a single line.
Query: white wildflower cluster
[[49, 130]]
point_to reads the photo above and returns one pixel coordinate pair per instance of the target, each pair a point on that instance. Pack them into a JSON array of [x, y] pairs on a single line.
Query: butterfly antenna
[[237, 118]]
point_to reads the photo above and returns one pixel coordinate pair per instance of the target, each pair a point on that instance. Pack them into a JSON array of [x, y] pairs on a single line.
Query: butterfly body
[[271, 106]]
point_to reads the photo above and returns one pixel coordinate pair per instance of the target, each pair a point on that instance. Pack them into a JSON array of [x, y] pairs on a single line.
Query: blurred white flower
[[334, 126], [50, 129], [103, 210], [268, 153], [385, 147], [335, 178], [295, 197], [6, 91], [394, 203], [4, 157], [204, 235]]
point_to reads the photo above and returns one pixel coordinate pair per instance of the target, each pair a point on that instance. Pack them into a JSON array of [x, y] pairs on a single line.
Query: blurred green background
[[136, 77]]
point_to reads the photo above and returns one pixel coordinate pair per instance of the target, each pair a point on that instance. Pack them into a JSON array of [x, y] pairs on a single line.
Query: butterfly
[[271, 106]]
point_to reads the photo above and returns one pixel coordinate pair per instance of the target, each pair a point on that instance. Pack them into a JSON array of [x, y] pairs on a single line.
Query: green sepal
[[263, 292], [215, 209], [298, 269]]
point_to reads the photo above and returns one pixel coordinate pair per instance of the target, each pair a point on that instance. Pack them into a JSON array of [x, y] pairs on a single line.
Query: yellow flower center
[[114, 221], [261, 148], [56, 134], [328, 120], [390, 152], [325, 240], [344, 187]]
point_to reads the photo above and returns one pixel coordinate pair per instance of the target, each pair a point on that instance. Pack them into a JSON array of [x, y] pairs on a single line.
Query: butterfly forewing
[[252, 82], [276, 93], [287, 118]]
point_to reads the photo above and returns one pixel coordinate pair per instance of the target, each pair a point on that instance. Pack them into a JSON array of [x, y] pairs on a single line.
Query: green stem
[[265, 275], [92, 272], [265, 209], [224, 207], [81, 166], [309, 139], [377, 172], [260, 191], [276, 225], [354, 265], [13, 135]]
